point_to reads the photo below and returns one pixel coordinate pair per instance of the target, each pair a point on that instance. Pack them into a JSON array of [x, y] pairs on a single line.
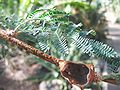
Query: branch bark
[[68, 69], [28, 48]]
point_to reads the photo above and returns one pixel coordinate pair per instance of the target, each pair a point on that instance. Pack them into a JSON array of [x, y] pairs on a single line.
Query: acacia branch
[[69, 70], [28, 48]]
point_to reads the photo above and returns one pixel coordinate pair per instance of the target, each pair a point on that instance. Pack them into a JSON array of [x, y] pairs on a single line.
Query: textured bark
[[28, 48], [69, 70]]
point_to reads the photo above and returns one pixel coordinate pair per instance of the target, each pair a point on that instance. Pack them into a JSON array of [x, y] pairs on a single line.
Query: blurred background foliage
[[86, 15]]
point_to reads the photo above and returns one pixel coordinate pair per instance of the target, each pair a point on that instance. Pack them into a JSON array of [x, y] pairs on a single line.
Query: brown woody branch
[[76, 73], [69, 70], [28, 48]]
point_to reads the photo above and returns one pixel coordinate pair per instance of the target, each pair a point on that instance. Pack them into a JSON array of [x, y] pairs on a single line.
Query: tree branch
[[69, 70], [28, 48]]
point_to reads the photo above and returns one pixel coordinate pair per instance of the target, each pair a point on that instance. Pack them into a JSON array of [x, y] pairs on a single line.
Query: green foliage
[[88, 14], [8, 22], [48, 30], [49, 15], [50, 34], [51, 31], [45, 30], [99, 49]]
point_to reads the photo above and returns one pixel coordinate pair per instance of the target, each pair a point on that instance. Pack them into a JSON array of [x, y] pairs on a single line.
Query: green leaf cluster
[[52, 32], [52, 35]]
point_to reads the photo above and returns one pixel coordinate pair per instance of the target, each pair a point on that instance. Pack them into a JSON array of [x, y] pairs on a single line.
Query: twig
[[75, 73], [28, 48]]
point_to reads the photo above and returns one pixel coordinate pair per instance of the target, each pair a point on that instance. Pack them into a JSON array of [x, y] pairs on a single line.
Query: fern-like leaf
[[60, 42], [43, 47], [49, 15], [99, 49]]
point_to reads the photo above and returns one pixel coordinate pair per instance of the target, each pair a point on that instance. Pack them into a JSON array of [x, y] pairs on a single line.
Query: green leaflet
[[43, 46], [99, 49], [8, 22], [60, 20], [30, 15], [60, 42], [53, 12], [49, 15]]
